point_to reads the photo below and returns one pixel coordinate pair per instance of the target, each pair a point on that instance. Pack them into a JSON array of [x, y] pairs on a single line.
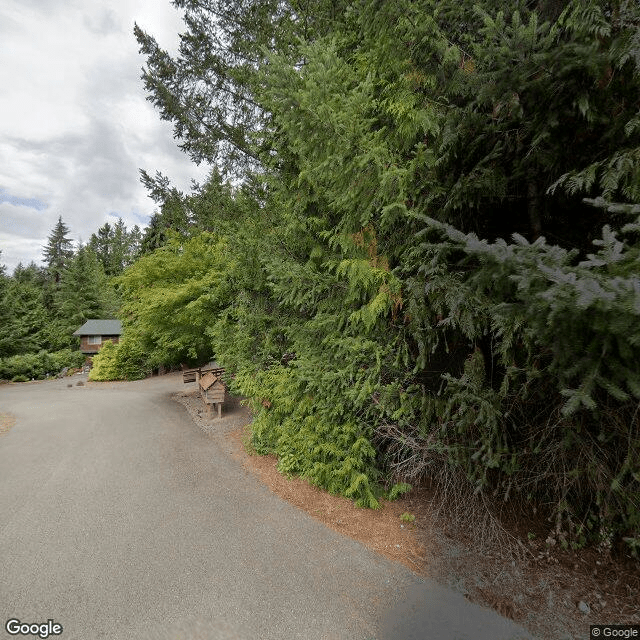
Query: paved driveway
[[120, 519]]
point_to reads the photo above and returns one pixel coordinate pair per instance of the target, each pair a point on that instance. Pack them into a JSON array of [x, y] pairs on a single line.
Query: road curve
[[120, 519]]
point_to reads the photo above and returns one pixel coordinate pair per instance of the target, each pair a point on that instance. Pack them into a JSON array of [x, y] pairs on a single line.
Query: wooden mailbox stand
[[212, 390]]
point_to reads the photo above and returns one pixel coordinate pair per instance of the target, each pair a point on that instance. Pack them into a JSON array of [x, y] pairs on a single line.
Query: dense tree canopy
[[41, 307], [172, 295], [115, 246], [85, 291], [435, 241]]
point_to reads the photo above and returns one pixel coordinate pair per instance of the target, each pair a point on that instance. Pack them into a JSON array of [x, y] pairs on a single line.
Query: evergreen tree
[[25, 330], [85, 291], [154, 235], [23, 316], [115, 246], [101, 243], [58, 251], [32, 274], [5, 312], [213, 205], [173, 212], [134, 244], [208, 90], [120, 249]]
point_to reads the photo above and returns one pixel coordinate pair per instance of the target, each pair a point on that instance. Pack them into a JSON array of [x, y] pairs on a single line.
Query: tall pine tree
[[58, 250], [85, 291]]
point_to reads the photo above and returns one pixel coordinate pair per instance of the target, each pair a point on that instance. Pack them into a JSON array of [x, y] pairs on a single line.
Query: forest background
[[42, 305], [417, 253]]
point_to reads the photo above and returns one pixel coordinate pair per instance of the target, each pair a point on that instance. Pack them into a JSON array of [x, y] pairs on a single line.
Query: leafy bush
[[39, 365], [122, 361], [104, 363], [131, 360], [30, 365], [334, 455], [58, 360]]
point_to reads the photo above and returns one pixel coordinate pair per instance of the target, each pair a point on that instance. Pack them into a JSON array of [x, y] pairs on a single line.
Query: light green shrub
[[122, 361], [104, 363]]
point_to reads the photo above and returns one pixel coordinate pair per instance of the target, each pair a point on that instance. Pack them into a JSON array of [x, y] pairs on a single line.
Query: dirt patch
[[507, 564], [6, 422], [504, 563]]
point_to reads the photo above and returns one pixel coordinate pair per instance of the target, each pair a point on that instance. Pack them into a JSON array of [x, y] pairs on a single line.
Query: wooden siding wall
[[85, 347]]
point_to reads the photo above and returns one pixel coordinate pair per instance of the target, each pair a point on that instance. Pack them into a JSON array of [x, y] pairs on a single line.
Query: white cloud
[[23, 249], [74, 123], [20, 221]]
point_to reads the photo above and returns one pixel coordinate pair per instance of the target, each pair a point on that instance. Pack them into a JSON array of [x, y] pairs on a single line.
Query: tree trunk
[[534, 210]]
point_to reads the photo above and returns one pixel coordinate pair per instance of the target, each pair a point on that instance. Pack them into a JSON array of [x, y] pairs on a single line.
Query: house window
[[94, 340]]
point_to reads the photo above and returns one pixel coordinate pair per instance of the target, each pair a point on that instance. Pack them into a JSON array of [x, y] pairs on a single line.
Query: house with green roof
[[93, 333]]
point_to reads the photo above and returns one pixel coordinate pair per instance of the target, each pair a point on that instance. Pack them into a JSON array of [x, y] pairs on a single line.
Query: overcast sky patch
[[75, 127]]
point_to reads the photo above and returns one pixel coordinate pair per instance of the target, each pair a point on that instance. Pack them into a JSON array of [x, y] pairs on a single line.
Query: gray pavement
[[120, 519]]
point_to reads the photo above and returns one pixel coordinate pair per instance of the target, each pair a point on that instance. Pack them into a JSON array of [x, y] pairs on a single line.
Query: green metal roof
[[100, 328]]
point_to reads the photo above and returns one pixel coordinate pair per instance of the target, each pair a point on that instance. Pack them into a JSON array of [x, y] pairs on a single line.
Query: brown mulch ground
[[506, 565], [6, 422]]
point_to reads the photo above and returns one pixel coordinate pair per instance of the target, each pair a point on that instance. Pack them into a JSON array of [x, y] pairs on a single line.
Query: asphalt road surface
[[120, 519]]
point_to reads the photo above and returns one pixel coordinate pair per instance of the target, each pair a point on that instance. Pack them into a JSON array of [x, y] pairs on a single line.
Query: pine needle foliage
[[552, 410]]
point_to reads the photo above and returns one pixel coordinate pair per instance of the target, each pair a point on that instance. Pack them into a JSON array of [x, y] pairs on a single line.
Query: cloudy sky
[[74, 123]]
